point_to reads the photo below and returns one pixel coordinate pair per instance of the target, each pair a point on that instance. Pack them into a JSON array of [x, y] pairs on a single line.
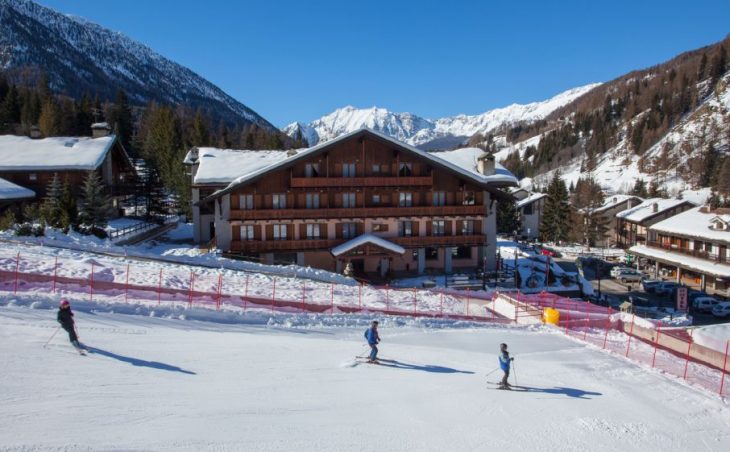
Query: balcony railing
[[357, 212], [688, 252], [440, 240], [372, 181]]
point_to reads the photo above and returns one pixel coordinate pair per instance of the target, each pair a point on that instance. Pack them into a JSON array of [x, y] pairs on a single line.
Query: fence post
[[656, 343], [631, 332], [192, 284], [387, 300], [567, 319], [273, 295], [359, 296], [304, 292], [332, 296], [585, 331], [220, 289], [468, 299], [17, 268], [159, 288], [245, 295], [91, 286], [55, 271], [689, 349], [126, 284], [441, 305], [724, 364], [608, 326]]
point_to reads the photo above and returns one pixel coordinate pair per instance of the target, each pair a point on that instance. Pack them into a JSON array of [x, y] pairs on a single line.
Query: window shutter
[[257, 202], [414, 228], [324, 230], [360, 228], [257, 232], [448, 227], [269, 232], [338, 230], [429, 224], [289, 200], [301, 201], [235, 202], [359, 199], [236, 232], [302, 231]]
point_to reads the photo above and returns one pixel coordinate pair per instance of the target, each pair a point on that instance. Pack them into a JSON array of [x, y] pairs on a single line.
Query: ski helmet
[[64, 303]]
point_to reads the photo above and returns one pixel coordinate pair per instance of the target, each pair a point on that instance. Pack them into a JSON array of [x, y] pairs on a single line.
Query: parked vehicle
[[618, 269], [704, 304], [650, 284], [665, 288], [549, 252], [628, 276], [721, 310], [694, 294]]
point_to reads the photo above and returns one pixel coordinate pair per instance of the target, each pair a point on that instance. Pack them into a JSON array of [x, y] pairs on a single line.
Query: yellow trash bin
[[551, 316]]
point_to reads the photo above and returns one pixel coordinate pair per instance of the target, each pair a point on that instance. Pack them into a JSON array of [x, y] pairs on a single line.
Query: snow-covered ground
[[292, 383]]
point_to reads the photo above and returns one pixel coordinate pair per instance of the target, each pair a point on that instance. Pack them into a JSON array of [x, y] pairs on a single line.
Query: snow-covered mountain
[[81, 57], [429, 134]]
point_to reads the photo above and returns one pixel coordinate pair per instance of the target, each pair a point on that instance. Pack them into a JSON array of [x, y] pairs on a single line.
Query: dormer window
[[405, 170], [311, 170]]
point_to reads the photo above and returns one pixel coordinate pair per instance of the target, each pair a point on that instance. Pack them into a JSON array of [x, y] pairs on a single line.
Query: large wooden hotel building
[[364, 198]]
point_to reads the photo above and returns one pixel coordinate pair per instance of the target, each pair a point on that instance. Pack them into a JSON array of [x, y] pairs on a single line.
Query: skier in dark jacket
[[66, 319], [504, 364], [373, 338]]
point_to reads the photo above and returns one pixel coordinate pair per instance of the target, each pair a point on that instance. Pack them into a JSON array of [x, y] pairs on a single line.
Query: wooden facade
[[298, 210]]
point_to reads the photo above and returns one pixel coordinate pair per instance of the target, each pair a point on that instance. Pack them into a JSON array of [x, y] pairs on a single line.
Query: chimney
[[35, 132], [655, 207], [485, 164], [615, 199], [100, 129]]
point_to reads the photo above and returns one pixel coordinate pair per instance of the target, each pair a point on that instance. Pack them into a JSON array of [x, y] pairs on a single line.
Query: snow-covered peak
[[419, 131]]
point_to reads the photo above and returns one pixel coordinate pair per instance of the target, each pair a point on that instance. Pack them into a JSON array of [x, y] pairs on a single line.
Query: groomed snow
[[286, 383], [9, 190], [645, 210], [18, 153], [367, 238], [692, 223]]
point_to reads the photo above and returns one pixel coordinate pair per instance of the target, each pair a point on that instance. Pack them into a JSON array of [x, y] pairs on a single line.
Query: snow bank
[[715, 337]]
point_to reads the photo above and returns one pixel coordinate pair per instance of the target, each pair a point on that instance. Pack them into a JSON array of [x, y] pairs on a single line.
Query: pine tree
[[199, 135], [10, 111], [555, 226], [120, 118], [50, 119], [723, 178], [95, 207], [508, 221], [589, 226], [639, 188], [69, 207], [51, 208]]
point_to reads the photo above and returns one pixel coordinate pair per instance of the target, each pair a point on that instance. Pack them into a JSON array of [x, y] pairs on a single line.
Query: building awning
[[683, 261], [367, 239]]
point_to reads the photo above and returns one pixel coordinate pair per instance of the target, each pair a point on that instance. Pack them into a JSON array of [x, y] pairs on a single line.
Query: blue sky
[[299, 60]]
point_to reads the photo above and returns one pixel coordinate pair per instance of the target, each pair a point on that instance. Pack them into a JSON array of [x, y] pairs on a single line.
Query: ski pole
[[490, 373], [514, 368], [52, 336]]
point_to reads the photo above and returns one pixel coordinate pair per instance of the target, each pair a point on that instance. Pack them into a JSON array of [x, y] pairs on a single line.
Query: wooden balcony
[[258, 246], [442, 240], [687, 252], [357, 212], [372, 181]]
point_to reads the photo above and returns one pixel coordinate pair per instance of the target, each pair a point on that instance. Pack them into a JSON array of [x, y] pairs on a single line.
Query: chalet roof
[[693, 223], [501, 178], [20, 153], [697, 264], [221, 166], [367, 238], [614, 200], [530, 199], [9, 190], [645, 210]]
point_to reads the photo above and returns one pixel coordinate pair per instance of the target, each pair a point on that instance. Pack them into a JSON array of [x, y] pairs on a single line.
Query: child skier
[[504, 363], [373, 338], [66, 319]]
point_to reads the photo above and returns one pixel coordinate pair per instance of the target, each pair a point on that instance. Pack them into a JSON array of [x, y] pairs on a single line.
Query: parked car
[[549, 252], [721, 310], [665, 288], [618, 269], [650, 284], [694, 294], [628, 276], [704, 304]]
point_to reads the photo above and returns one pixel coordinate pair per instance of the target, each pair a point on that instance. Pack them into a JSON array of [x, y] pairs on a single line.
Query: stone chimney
[[614, 199], [485, 164], [100, 129], [35, 132], [655, 207]]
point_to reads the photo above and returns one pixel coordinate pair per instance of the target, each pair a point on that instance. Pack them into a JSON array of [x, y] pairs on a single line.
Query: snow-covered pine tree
[[51, 208], [95, 207], [69, 207], [508, 220]]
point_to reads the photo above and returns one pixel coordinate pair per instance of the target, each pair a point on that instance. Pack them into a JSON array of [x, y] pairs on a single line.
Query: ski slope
[[291, 383]]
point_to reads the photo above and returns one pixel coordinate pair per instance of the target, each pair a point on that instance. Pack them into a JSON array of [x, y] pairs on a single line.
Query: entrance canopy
[[362, 241]]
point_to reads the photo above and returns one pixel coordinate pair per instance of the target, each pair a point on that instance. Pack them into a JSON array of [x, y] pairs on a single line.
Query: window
[[467, 227], [278, 201], [348, 200], [33, 176], [349, 230], [348, 170], [380, 227], [405, 229], [439, 198], [376, 199], [432, 254], [312, 200], [376, 169], [246, 232], [469, 198], [527, 210], [311, 170], [280, 232], [461, 252], [405, 169], [313, 231], [438, 227], [405, 199], [245, 202]]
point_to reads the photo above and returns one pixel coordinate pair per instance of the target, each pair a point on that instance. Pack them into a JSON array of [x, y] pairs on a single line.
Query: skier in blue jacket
[[373, 338], [504, 364]]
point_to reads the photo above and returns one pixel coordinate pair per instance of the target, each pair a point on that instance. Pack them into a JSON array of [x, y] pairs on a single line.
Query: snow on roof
[[683, 260], [530, 199], [645, 210], [18, 153], [367, 238], [693, 223], [9, 190], [222, 166], [615, 200], [450, 159]]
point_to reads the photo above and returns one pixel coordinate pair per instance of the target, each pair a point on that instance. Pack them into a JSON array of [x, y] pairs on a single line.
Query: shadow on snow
[[140, 362], [559, 390], [426, 368]]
